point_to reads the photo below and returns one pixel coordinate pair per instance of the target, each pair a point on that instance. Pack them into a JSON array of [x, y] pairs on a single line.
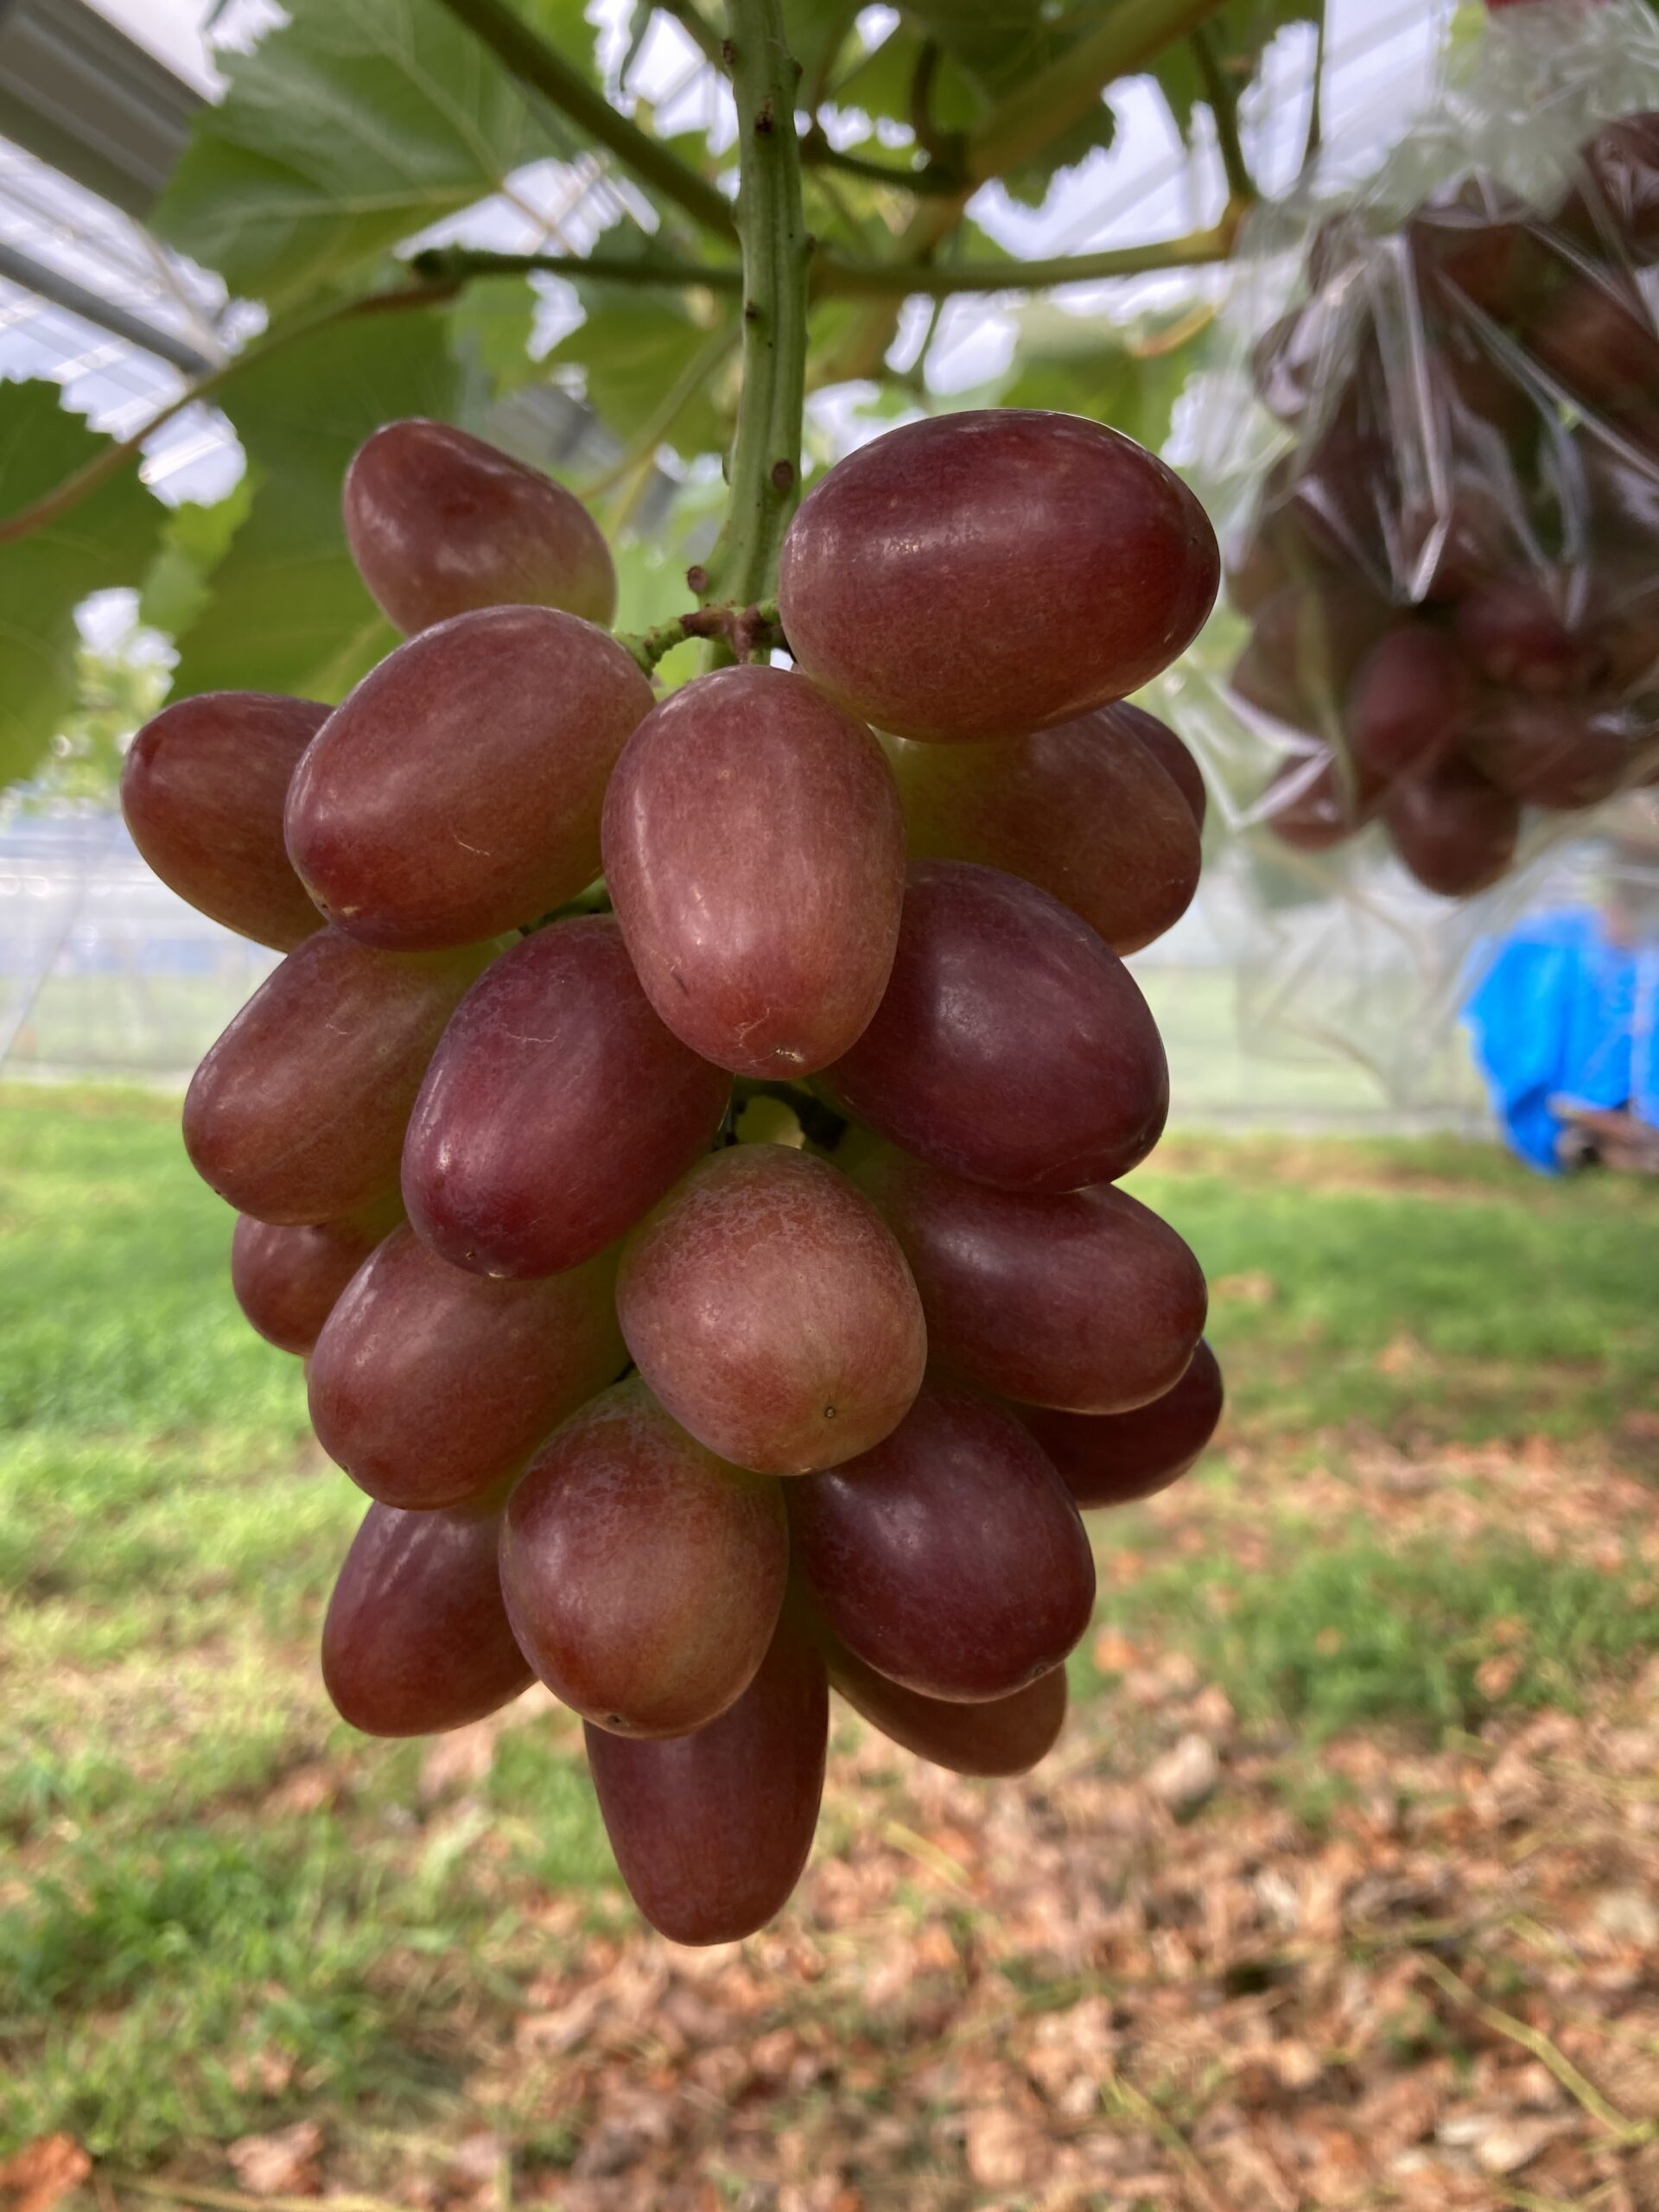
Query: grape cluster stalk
[[683, 1138], [1453, 576]]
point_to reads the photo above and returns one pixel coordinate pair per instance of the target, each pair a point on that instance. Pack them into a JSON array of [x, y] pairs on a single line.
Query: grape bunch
[[682, 1137], [1452, 575]]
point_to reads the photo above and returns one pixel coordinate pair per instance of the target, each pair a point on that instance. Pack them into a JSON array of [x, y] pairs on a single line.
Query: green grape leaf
[[491, 326], [1081, 365], [1239, 35], [286, 610], [194, 540], [995, 48], [106, 538], [633, 351], [356, 123]]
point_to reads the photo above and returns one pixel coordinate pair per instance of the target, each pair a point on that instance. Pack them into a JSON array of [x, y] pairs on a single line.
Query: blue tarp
[[1562, 1012]]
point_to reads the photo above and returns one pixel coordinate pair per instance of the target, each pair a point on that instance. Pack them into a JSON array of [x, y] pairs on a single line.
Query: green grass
[[195, 1941]]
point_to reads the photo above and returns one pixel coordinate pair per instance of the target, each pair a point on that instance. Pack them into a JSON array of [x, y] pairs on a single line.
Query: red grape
[[984, 574], [711, 1830], [771, 1312], [439, 523], [1455, 831], [297, 1113], [1597, 336], [755, 852], [1172, 756], [1614, 207], [1471, 242], [1311, 802], [416, 1636], [1111, 1458], [430, 1385], [1307, 641], [998, 1737], [287, 1280], [1513, 631], [1409, 703], [643, 1576], [1554, 752], [457, 791], [951, 1558], [1076, 810], [203, 787], [1013, 1046], [1088, 1301], [556, 1111]]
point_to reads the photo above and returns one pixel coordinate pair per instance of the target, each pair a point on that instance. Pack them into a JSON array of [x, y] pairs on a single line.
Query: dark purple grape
[[1314, 801], [1597, 336], [996, 1738], [1408, 703], [557, 1110], [1614, 205], [1111, 1458], [416, 1636], [430, 1385], [1172, 756], [1513, 631], [297, 1113], [1078, 811], [1455, 831], [457, 793], [203, 788], [1012, 1046], [951, 1558], [642, 1574], [1088, 1301], [991, 572], [288, 1280], [755, 852], [770, 1309], [1554, 752], [711, 1830], [1471, 242], [439, 523]]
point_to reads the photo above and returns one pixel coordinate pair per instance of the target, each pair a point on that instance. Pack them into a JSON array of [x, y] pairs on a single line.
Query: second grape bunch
[[722, 1291]]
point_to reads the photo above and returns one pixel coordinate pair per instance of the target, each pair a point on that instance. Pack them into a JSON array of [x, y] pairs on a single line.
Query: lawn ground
[[1341, 1888]]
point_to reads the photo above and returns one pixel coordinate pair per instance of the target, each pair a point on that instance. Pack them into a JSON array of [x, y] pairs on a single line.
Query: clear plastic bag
[[1433, 454]]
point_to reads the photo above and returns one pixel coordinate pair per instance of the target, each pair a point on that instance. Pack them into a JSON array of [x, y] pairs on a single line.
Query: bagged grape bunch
[[683, 1136], [1434, 460]]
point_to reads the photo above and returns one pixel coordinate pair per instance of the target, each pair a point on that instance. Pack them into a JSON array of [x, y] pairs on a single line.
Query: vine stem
[[766, 461], [535, 62]]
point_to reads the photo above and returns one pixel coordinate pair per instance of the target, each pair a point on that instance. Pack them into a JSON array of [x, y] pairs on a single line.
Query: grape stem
[[765, 461], [747, 632], [821, 1125]]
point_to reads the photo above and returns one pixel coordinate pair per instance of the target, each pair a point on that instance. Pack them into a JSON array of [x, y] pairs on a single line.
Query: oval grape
[[439, 523], [951, 1558], [772, 1312], [711, 1830], [1456, 832], [988, 573], [415, 1638], [430, 1385], [1079, 810], [1113, 1459], [557, 1110], [297, 1113], [288, 1280], [754, 853], [203, 788], [1012, 1044], [996, 1738], [1086, 1302], [457, 793], [643, 1574]]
